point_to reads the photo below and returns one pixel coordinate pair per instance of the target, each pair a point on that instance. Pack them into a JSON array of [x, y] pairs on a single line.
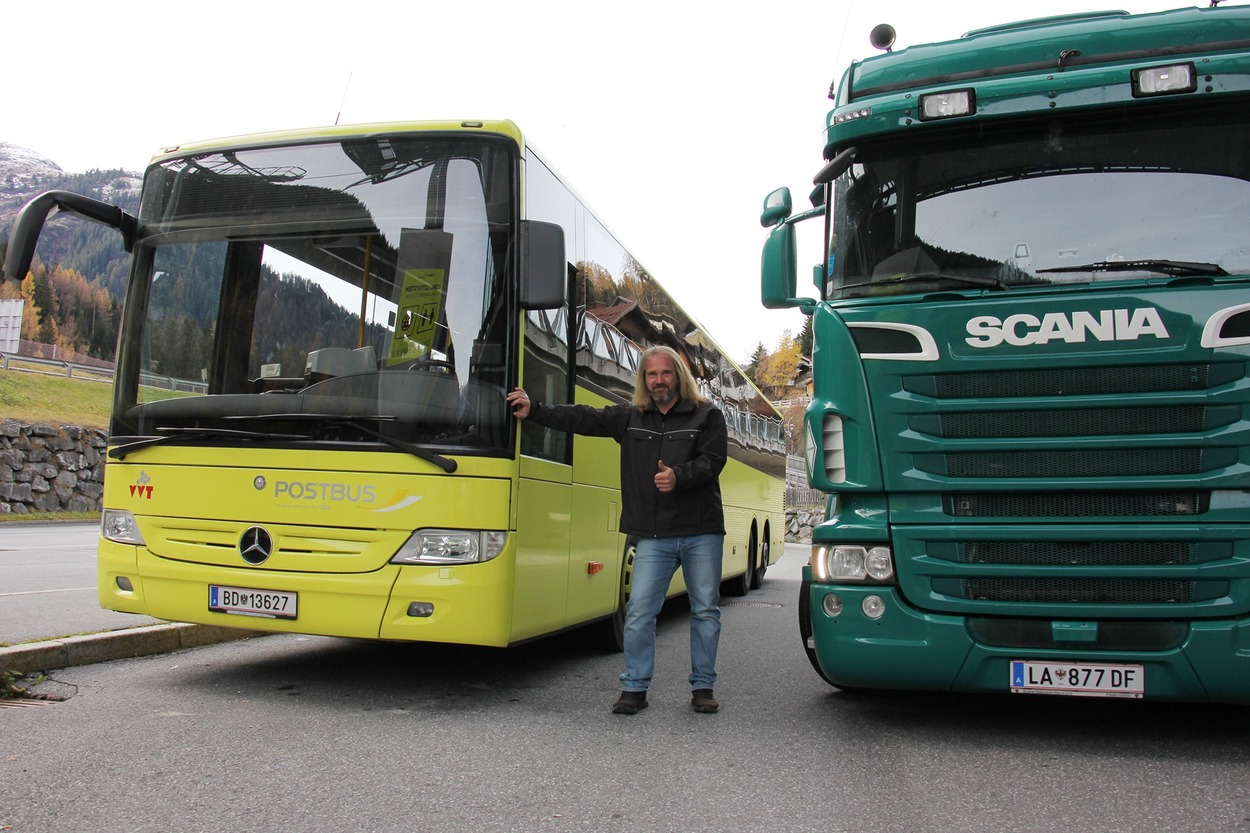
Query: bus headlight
[[120, 526], [451, 546], [852, 562]]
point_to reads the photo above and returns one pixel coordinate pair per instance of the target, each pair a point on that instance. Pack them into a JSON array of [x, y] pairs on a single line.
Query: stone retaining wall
[[799, 523], [46, 469]]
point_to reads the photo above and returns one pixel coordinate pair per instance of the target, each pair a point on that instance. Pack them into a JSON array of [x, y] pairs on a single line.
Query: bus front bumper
[[408, 603]]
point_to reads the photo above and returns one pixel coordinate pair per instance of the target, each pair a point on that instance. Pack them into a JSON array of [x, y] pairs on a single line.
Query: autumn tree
[[776, 372]]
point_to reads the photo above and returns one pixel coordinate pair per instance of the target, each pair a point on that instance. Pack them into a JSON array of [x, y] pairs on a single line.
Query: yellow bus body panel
[[334, 534]]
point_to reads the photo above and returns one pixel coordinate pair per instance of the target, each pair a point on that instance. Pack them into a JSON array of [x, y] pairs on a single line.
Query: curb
[[91, 648]]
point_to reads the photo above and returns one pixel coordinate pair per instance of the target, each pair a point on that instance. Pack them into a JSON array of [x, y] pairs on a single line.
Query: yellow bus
[[347, 307]]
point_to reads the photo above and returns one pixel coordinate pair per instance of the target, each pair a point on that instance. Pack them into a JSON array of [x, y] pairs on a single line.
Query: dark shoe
[[702, 701], [630, 702]]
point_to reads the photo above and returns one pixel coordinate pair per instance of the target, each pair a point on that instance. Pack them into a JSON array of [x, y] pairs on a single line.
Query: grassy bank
[[53, 400]]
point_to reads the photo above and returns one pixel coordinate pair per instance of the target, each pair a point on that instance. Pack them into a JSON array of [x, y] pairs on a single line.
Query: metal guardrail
[[798, 493], [76, 370]]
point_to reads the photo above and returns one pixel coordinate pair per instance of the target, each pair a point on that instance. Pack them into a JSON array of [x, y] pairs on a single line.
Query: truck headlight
[[451, 546], [852, 562]]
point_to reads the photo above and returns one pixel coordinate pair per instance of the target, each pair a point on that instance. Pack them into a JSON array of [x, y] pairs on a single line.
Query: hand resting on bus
[[520, 402]]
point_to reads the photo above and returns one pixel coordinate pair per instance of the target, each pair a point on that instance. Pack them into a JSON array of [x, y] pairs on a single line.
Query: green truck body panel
[[1058, 461]]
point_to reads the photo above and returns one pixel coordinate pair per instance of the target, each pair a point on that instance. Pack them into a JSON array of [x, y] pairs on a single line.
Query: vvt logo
[[142, 487]]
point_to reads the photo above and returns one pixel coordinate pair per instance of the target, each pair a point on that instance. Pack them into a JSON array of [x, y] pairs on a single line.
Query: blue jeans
[[655, 562]]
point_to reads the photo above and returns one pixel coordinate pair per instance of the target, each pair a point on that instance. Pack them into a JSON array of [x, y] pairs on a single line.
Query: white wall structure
[[10, 325]]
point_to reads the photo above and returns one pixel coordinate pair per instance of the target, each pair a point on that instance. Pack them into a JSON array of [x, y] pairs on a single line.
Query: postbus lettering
[[334, 492]]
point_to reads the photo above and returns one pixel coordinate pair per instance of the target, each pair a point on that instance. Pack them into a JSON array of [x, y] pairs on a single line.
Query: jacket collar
[[683, 406]]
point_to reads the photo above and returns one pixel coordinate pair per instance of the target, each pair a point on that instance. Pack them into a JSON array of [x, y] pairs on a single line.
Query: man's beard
[[663, 396]]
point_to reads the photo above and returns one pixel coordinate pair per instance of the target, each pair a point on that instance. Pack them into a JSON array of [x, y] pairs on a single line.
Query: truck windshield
[[345, 291], [1045, 202]]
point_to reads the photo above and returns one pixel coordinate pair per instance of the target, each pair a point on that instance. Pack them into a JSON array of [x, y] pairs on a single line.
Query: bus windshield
[[1064, 200], [342, 291]]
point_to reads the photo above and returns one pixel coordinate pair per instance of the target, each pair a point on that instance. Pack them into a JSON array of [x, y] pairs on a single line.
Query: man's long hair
[[687, 388]]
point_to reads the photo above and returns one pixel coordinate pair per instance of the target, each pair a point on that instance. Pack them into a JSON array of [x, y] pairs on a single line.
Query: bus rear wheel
[[761, 564]]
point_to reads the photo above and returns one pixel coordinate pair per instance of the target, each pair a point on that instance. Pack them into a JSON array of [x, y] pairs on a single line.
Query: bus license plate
[[1078, 679], [245, 601]]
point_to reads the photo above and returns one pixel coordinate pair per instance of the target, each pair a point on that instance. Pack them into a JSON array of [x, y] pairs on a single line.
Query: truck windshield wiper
[[1176, 268], [168, 434], [973, 280], [445, 463]]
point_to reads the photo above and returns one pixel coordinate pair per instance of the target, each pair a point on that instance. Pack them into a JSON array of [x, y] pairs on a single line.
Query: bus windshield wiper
[[1176, 268], [445, 463], [167, 434], [973, 280]]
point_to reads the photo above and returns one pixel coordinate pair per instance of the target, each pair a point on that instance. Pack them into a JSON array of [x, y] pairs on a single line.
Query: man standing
[[673, 447]]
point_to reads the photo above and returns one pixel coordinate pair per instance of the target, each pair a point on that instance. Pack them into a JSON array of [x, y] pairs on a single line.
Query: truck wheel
[[805, 627]]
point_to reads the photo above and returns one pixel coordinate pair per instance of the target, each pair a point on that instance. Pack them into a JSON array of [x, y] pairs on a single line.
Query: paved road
[[47, 583], [292, 733]]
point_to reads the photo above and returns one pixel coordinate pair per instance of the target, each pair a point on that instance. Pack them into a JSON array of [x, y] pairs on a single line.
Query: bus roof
[[501, 127]]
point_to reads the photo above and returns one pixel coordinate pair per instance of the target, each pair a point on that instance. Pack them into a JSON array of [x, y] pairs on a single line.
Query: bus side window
[[546, 380]]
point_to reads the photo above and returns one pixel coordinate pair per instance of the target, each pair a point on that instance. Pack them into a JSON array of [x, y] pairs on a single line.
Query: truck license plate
[[1078, 679], [244, 601]]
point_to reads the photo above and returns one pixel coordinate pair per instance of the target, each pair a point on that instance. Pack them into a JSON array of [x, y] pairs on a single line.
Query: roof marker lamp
[[1167, 80], [947, 105]]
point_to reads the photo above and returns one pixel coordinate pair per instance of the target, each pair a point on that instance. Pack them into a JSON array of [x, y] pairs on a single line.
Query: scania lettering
[[344, 310], [1031, 401], [1023, 329]]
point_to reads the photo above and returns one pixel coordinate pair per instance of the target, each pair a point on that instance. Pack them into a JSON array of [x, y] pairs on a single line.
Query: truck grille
[[1070, 493], [1085, 422], [1161, 504], [1048, 382], [1086, 463], [1089, 553], [1143, 572], [1086, 590], [1112, 635]]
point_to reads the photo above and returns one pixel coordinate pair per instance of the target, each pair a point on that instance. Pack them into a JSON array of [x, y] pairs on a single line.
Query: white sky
[[671, 119]]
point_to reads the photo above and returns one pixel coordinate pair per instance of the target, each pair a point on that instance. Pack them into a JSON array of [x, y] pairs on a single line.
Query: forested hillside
[[74, 291], [77, 282], [75, 288]]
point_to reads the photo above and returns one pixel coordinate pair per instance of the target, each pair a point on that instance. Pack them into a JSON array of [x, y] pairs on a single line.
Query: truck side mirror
[[778, 272], [777, 207]]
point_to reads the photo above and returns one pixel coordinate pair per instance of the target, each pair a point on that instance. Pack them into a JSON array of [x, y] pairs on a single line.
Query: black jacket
[[691, 439]]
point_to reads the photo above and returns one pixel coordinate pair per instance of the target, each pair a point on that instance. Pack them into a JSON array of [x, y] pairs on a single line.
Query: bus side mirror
[[30, 219], [544, 270]]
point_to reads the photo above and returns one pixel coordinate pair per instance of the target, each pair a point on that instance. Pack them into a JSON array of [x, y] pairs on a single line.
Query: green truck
[[1031, 406]]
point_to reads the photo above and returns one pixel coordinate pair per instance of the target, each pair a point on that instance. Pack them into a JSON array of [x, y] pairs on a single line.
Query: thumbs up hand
[[665, 478]]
